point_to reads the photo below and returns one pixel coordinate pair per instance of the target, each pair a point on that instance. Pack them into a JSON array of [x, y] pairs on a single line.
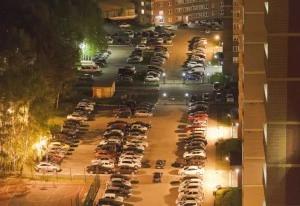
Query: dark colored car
[[123, 114], [157, 177], [126, 170], [193, 77], [121, 185], [108, 201], [118, 191], [160, 164], [120, 176], [98, 169]]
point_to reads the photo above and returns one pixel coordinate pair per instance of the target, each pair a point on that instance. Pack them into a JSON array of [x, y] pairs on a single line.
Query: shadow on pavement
[[169, 199]]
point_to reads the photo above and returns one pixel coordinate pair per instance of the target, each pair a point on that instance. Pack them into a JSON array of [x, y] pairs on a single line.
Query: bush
[[228, 197], [219, 77]]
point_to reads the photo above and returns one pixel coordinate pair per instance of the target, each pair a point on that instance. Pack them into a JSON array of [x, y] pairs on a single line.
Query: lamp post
[[165, 98], [183, 77], [217, 38], [231, 123], [164, 77], [208, 75], [186, 95]]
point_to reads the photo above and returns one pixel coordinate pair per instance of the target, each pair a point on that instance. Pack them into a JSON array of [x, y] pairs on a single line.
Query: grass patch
[[229, 196]]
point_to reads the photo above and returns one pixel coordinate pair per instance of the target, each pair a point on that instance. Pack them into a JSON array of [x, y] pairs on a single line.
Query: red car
[[191, 127], [198, 116]]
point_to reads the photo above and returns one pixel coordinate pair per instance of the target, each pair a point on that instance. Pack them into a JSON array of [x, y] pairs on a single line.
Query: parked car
[[124, 25], [143, 113], [47, 167], [160, 164], [134, 60], [157, 177], [77, 117], [191, 170], [98, 169], [229, 97], [130, 163]]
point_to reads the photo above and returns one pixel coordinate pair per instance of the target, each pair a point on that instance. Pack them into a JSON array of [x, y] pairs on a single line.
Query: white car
[[191, 193], [130, 163], [160, 40], [47, 167], [138, 126], [141, 142], [101, 160], [138, 146], [196, 131], [192, 181], [130, 158], [229, 97], [137, 135], [124, 25], [77, 117], [143, 113], [194, 64], [110, 165], [150, 78], [59, 145], [133, 154], [197, 152], [142, 46], [189, 201], [110, 140], [191, 170], [113, 197]]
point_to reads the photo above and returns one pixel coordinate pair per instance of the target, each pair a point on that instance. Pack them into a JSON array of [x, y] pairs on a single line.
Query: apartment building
[[160, 12], [269, 97]]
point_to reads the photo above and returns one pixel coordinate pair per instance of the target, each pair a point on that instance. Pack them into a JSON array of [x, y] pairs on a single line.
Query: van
[[196, 69], [89, 67]]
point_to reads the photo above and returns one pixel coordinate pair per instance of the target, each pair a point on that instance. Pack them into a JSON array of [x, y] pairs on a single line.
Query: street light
[[208, 77], [164, 77], [186, 98], [183, 75], [165, 99], [83, 47]]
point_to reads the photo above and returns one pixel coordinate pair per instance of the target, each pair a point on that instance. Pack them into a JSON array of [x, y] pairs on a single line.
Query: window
[[142, 11], [236, 3], [236, 14], [152, 13], [178, 18], [213, 5], [169, 3], [213, 13], [161, 4], [170, 11], [170, 19], [235, 48], [206, 6], [221, 12], [235, 60], [161, 20], [221, 4], [236, 26], [160, 13], [142, 3], [235, 37]]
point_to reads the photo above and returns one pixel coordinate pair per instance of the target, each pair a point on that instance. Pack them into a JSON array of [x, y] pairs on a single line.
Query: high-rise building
[[160, 12], [269, 80]]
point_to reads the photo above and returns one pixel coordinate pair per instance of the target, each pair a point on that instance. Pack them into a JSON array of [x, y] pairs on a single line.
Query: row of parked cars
[[131, 108], [195, 66], [191, 184], [121, 149], [62, 142], [118, 189]]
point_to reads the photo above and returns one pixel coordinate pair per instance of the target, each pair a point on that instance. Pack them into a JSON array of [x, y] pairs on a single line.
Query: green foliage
[[228, 197], [219, 77], [39, 46]]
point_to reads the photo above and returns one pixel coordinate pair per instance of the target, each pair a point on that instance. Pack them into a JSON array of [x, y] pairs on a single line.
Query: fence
[[89, 201]]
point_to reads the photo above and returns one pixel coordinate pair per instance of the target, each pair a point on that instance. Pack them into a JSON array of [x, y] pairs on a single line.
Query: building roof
[[109, 5]]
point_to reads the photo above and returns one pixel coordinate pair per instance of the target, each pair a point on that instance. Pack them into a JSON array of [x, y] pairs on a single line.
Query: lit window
[[142, 3], [160, 13], [235, 60], [266, 50], [142, 11], [169, 3], [266, 91], [267, 6], [170, 19], [235, 48]]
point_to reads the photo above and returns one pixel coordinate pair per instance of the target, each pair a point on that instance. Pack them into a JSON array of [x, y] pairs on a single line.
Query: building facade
[[269, 99], [166, 12], [115, 9]]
